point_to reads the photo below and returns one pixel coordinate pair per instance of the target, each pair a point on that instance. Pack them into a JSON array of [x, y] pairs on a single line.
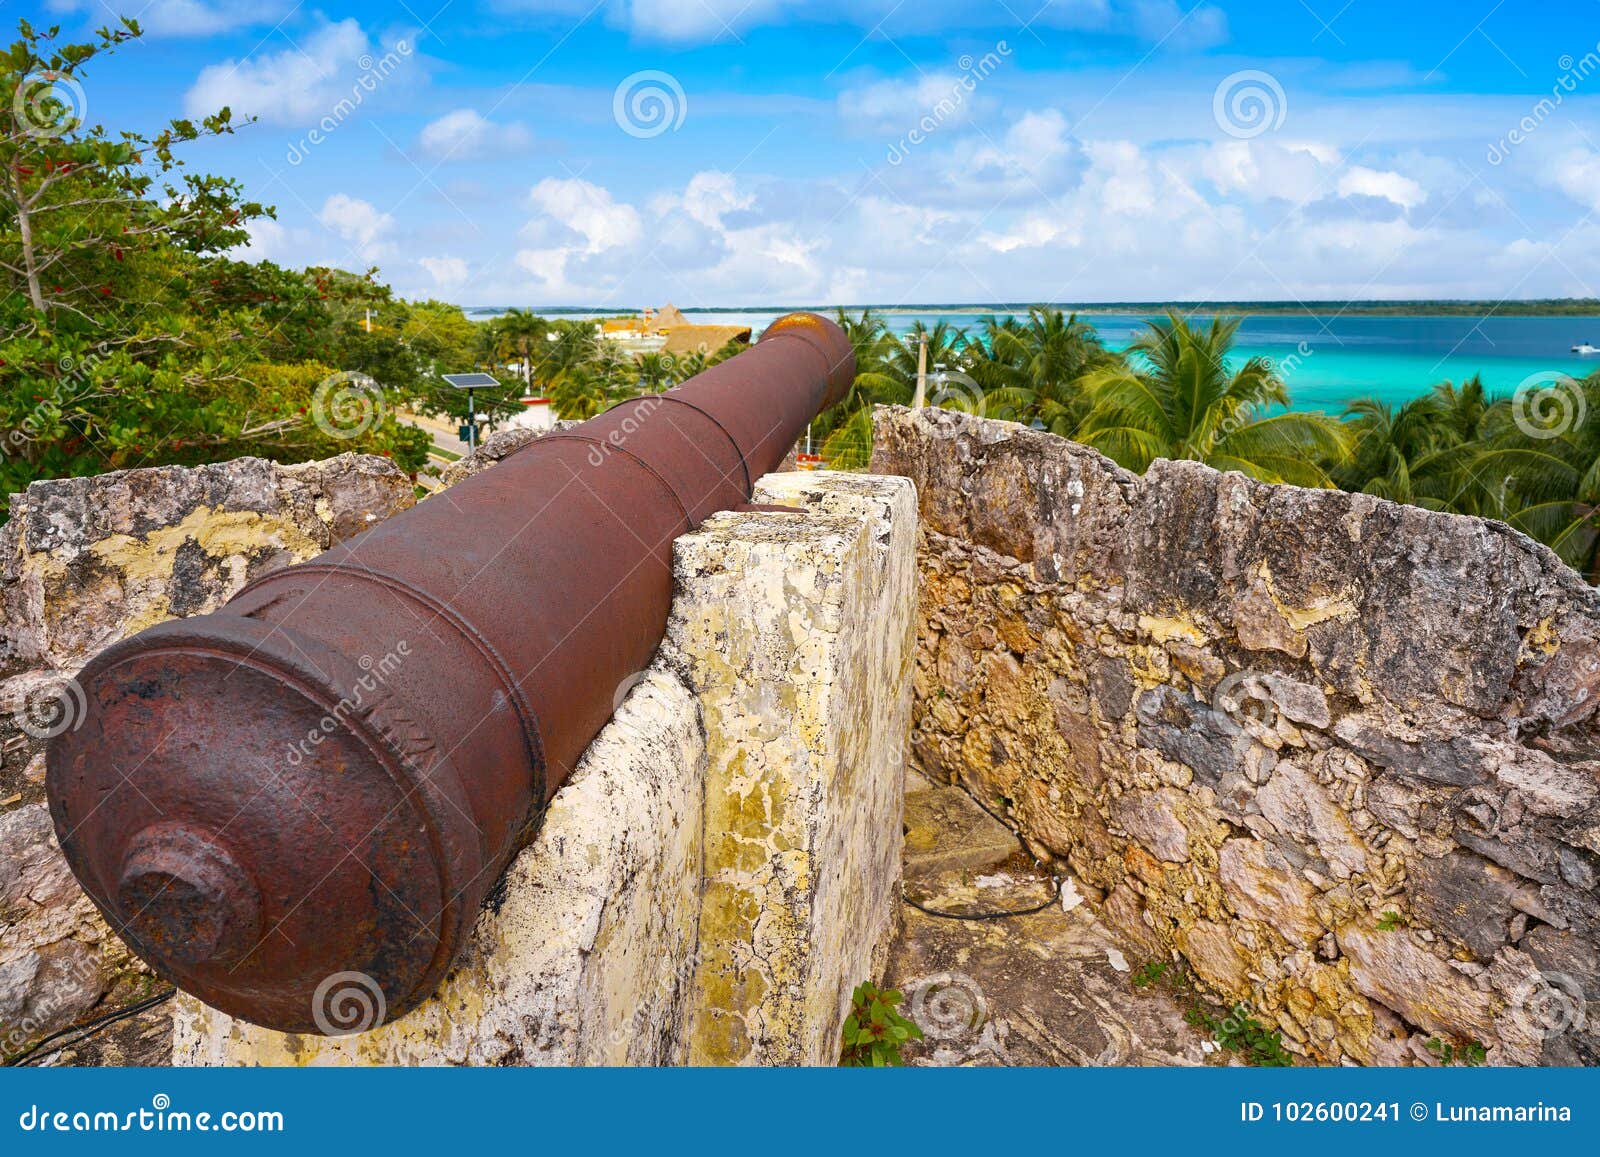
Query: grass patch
[[1235, 1030]]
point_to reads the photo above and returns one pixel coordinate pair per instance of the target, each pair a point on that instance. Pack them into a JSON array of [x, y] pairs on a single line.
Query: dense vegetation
[[1532, 459], [1422, 307], [131, 334]]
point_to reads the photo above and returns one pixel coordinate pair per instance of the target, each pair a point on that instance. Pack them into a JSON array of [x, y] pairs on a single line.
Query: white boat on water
[[1584, 347]]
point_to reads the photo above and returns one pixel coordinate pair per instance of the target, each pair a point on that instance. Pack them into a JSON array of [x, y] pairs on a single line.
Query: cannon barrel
[[328, 774]]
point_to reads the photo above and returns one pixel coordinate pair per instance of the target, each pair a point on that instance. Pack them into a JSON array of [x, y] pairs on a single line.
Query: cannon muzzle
[[327, 775]]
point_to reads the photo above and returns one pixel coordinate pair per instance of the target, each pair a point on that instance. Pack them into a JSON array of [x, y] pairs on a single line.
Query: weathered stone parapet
[[723, 866], [85, 562], [1340, 754], [795, 634]]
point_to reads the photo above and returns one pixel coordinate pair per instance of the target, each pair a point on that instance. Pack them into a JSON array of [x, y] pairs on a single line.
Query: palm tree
[[657, 371], [582, 391], [1538, 468], [844, 431], [946, 346], [1177, 399], [1420, 452], [1462, 409], [567, 345], [1033, 372], [520, 332]]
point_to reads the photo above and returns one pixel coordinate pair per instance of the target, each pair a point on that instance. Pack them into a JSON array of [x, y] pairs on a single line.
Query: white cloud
[[1262, 170], [1166, 22], [465, 133], [358, 222], [896, 106], [266, 241], [292, 87], [548, 265], [585, 209], [697, 19], [1578, 176], [1359, 181], [711, 195], [447, 272], [177, 18], [1034, 206]]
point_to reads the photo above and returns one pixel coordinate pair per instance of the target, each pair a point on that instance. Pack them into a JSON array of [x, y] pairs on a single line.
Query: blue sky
[[746, 152]]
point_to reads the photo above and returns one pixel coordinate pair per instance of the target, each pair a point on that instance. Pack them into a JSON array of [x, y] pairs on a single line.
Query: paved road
[[443, 433]]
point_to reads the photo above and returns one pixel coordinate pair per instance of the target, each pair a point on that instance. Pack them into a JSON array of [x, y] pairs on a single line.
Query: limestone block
[[795, 632], [582, 956], [1154, 819], [1393, 968]]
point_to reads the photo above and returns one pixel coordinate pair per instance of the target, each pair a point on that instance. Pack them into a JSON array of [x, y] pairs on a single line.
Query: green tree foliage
[[129, 336], [1178, 391], [1034, 371], [1531, 459], [1178, 398]]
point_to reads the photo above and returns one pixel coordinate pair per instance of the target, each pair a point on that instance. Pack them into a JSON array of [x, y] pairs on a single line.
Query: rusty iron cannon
[[327, 775]]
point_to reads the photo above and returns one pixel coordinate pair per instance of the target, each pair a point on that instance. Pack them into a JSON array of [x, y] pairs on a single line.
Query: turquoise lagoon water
[[1328, 360]]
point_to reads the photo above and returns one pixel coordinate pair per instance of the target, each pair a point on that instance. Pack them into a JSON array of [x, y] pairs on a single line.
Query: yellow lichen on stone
[[1543, 637], [1166, 629], [1299, 618]]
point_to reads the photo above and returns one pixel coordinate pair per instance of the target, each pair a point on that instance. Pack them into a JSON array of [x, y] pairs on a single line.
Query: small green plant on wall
[[1470, 1053], [875, 1030], [1148, 973], [1239, 1032]]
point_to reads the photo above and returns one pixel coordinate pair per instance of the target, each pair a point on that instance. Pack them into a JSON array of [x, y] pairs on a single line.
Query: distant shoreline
[[1546, 307]]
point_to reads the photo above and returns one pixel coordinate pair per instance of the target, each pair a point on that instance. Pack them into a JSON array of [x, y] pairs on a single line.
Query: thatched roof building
[[687, 339]]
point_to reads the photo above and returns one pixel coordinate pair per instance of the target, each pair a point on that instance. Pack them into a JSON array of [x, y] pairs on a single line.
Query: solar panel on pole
[[470, 382]]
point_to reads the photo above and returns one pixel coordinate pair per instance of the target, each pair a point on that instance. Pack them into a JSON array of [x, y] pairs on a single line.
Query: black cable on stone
[[1055, 894], [85, 1031]]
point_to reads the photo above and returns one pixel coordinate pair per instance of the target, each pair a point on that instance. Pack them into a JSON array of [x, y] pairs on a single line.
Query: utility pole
[[921, 398]]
